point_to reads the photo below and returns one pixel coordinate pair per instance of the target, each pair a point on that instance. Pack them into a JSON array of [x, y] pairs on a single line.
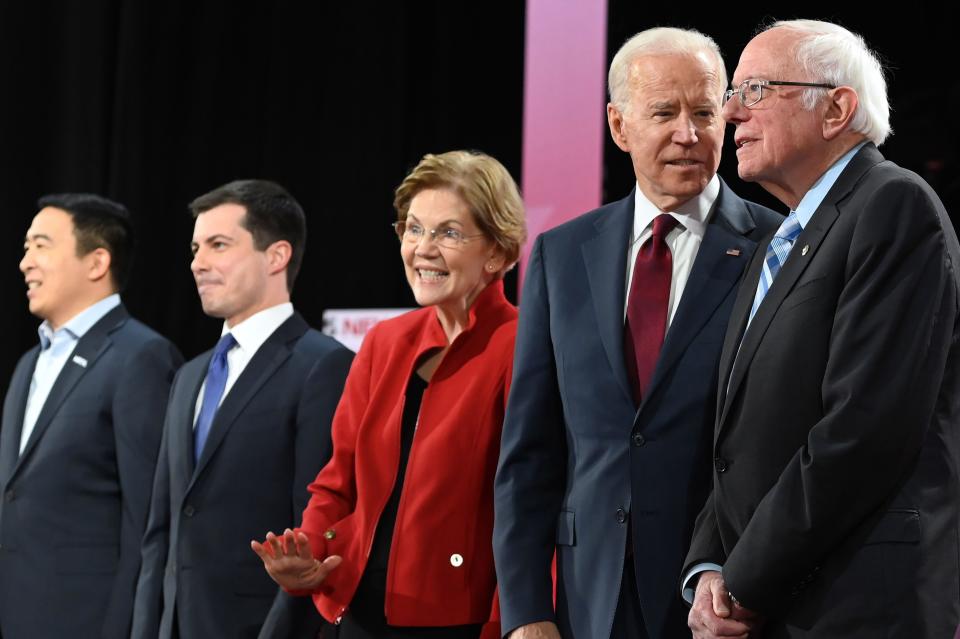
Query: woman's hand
[[289, 561]]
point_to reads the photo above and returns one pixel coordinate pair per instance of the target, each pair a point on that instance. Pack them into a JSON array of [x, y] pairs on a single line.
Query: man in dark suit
[[607, 434], [81, 427], [836, 492], [247, 428]]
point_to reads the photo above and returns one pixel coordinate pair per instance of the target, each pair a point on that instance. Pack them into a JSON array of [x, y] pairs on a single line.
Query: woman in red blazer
[[396, 539]]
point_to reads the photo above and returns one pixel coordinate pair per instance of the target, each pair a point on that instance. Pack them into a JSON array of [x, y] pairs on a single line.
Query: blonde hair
[[483, 184]]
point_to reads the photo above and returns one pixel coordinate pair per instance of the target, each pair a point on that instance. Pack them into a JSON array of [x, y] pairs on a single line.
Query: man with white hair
[[836, 496], [606, 441]]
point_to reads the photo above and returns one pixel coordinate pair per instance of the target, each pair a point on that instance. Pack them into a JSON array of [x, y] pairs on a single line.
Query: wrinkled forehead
[[771, 55]]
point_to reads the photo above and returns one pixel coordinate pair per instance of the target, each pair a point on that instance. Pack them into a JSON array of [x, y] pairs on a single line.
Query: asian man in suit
[[606, 443], [247, 428], [836, 489], [82, 422]]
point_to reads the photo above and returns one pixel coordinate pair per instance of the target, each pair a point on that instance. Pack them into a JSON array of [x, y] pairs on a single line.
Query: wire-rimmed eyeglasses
[[751, 91], [445, 236]]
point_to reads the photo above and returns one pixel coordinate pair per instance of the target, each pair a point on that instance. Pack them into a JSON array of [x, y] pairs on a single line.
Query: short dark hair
[[272, 214], [99, 223]]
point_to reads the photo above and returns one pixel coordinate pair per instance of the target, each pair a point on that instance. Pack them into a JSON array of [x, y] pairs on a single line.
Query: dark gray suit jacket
[[75, 502], [836, 500], [270, 437], [578, 458]]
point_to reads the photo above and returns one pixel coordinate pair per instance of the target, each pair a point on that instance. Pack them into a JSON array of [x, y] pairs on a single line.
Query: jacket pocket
[[566, 530], [896, 526]]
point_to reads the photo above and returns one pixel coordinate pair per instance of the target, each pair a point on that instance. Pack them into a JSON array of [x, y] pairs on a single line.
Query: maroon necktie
[[647, 306]]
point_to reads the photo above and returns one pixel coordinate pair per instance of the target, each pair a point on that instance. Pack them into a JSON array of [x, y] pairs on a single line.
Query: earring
[[490, 267]]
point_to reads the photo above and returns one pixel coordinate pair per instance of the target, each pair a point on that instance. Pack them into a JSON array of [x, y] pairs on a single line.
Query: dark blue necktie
[[214, 384]]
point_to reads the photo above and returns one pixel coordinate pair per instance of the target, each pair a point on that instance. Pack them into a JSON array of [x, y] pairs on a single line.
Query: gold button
[[456, 560], [330, 534]]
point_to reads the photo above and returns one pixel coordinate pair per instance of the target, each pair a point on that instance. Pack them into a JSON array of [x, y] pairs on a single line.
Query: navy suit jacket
[[578, 458], [75, 502], [269, 438]]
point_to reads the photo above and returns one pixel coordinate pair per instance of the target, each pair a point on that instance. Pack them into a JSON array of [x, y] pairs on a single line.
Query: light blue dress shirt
[[56, 347]]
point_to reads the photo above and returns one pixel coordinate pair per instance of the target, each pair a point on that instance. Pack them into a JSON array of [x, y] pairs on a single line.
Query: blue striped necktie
[[214, 386], [777, 253]]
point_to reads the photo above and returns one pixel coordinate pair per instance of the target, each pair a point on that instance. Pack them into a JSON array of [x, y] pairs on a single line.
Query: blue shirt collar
[[80, 323], [814, 197]]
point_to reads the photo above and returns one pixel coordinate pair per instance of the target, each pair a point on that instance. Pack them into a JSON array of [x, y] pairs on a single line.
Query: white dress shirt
[[250, 334], [684, 239], [56, 347]]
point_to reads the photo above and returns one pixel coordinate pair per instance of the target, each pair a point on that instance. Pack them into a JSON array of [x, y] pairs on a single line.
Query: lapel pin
[[733, 252], [79, 361], [806, 247]]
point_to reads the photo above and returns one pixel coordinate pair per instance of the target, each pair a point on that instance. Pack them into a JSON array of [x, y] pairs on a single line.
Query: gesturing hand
[[289, 561]]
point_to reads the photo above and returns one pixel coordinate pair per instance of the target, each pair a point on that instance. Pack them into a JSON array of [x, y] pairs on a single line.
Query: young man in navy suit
[[606, 443], [82, 422], [247, 428]]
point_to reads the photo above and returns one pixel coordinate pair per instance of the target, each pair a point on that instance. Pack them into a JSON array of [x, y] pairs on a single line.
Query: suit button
[[330, 534], [9, 496], [638, 439], [456, 560], [621, 515], [189, 511], [720, 465]]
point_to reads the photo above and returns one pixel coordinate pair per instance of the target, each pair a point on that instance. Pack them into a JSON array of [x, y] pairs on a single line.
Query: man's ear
[[617, 124], [842, 104], [98, 264], [278, 256]]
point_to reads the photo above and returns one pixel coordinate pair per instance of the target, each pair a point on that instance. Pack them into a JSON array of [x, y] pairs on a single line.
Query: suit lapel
[[89, 348], [605, 257], [265, 362], [715, 271], [803, 252], [192, 378], [14, 410]]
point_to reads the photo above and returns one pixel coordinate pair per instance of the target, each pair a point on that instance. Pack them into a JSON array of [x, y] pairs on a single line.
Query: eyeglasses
[[751, 91], [445, 236]]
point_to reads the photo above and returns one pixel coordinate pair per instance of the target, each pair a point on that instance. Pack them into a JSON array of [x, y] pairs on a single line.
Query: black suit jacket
[[270, 437], [75, 502], [577, 455], [836, 484]]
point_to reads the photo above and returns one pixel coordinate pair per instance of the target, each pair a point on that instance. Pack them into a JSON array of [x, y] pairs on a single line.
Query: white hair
[[830, 54], [659, 41]]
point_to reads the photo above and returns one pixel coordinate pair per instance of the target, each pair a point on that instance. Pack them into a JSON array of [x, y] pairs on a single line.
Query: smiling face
[[671, 126], [231, 274], [59, 283], [778, 141], [448, 278]]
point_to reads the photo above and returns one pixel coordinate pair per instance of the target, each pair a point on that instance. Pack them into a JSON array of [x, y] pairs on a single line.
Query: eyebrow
[[662, 105], [443, 223], [213, 238], [36, 236]]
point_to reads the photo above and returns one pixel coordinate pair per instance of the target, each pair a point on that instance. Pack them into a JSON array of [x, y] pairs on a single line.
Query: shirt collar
[[252, 332], [692, 214], [79, 324], [814, 197]]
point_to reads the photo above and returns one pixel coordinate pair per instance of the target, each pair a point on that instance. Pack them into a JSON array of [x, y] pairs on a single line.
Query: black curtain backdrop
[[154, 103]]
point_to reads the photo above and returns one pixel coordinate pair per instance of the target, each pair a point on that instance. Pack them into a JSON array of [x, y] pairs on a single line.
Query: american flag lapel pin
[[80, 361], [733, 252]]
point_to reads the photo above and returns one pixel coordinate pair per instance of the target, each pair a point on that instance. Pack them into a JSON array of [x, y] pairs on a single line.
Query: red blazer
[[440, 570]]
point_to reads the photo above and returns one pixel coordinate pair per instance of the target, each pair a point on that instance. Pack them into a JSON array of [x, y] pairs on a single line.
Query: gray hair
[[659, 41], [831, 54]]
